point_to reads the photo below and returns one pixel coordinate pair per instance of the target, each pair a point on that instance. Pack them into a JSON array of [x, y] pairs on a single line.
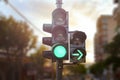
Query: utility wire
[[6, 1]]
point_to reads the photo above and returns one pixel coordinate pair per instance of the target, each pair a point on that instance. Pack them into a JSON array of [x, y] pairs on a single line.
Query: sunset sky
[[83, 15]]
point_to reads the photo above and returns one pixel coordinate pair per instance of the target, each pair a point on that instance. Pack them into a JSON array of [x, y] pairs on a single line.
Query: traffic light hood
[[80, 35]]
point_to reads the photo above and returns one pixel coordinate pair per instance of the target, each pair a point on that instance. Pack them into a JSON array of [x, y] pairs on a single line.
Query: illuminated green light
[[81, 54], [78, 54], [59, 51]]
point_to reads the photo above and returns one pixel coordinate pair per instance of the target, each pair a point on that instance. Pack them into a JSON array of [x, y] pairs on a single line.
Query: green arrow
[[75, 54], [79, 54]]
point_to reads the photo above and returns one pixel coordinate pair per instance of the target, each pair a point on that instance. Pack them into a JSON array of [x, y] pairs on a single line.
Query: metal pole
[[59, 3], [59, 67]]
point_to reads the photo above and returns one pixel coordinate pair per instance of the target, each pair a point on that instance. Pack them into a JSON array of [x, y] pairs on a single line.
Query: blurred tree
[[38, 60], [114, 60], [16, 37], [77, 69], [113, 48], [97, 68]]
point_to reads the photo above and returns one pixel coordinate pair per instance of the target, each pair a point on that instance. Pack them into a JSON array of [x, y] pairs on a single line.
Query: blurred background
[[21, 24]]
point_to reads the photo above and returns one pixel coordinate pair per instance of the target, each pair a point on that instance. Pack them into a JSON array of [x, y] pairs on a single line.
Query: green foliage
[[97, 68], [77, 69], [113, 60], [114, 47]]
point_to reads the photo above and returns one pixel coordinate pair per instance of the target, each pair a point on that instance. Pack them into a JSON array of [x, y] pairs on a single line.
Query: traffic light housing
[[77, 47], [59, 39], [60, 34]]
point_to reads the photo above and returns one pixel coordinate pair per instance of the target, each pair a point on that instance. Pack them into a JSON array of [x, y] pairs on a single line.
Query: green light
[[78, 54], [59, 51], [81, 54]]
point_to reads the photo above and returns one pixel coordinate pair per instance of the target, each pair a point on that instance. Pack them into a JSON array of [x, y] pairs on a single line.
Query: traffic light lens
[[59, 51]]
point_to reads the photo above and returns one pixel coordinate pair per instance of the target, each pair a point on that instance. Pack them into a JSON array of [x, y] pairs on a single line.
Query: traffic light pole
[[59, 67]]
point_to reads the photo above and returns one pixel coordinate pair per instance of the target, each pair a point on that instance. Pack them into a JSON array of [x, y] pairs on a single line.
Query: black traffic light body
[[77, 47], [60, 34], [59, 39]]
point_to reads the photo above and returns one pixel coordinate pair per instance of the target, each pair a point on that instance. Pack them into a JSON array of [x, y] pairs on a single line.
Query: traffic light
[[59, 39], [77, 47], [60, 34]]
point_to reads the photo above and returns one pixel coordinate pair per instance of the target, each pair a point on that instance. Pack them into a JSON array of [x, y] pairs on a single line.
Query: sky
[[83, 15]]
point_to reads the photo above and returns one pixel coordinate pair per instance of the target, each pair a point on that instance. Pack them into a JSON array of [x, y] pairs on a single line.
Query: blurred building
[[106, 26], [116, 12]]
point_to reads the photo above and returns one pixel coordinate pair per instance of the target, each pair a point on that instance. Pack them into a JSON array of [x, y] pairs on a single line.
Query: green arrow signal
[[79, 54]]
